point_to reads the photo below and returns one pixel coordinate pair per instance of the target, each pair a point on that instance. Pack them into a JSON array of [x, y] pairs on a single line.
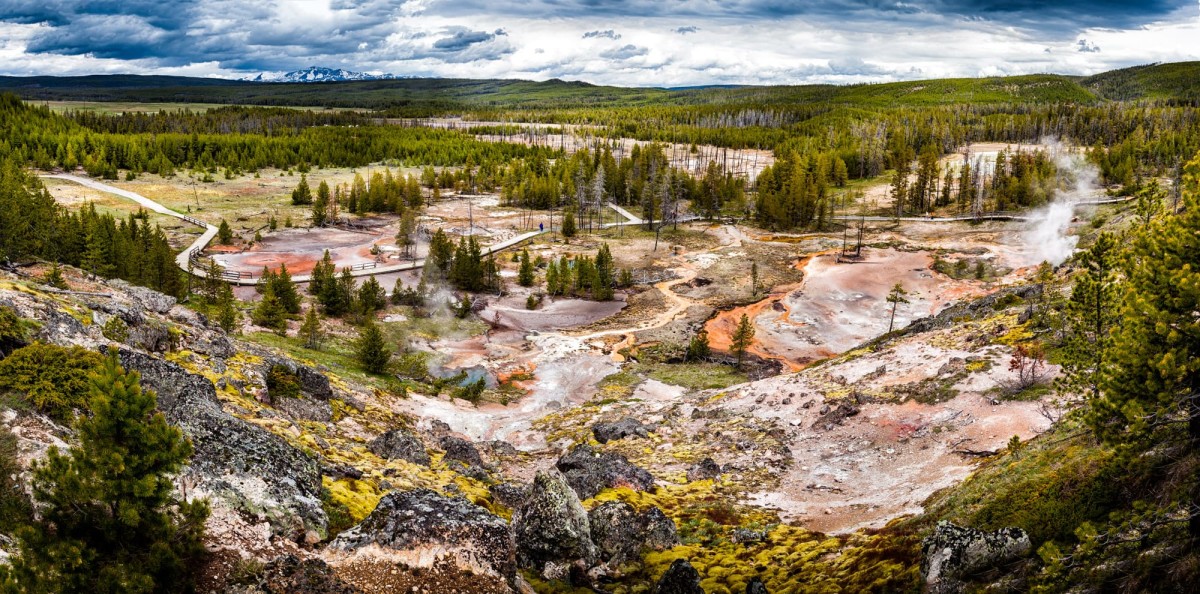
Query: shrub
[[53, 379], [12, 331], [471, 392], [115, 329], [282, 383], [14, 506]]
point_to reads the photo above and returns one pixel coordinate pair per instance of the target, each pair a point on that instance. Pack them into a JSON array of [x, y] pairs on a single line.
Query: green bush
[[115, 329], [53, 379], [12, 331], [282, 383], [14, 506]]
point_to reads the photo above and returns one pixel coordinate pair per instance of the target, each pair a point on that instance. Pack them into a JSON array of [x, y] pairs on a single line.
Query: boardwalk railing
[[364, 266]]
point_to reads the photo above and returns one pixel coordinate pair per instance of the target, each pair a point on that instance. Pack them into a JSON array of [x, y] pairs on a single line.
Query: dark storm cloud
[[1037, 15], [608, 33], [461, 40]]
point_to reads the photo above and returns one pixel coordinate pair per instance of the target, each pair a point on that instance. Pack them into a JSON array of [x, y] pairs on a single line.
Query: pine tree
[[302, 195], [54, 278], [320, 206], [372, 350], [404, 235], [741, 339], [1091, 314], [603, 290], [310, 330], [269, 313], [895, 297], [227, 315], [371, 297], [698, 348], [109, 521], [441, 251], [552, 278], [224, 233], [525, 275], [568, 225], [323, 272], [285, 290]]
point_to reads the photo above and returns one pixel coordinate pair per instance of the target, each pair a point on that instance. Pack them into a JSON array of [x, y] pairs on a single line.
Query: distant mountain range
[[321, 74]]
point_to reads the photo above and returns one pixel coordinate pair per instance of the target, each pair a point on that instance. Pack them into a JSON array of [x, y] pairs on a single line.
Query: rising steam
[[1048, 239]]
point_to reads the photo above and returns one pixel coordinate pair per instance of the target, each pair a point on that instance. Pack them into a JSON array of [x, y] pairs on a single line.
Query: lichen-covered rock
[[306, 409], [621, 533], [290, 574], [510, 495], [242, 464], [551, 525], [313, 383], [952, 554], [620, 429], [704, 469], [680, 578], [400, 444], [151, 336], [589, 471], [756, 586], [147, 298], [421, 528], [461, 450]]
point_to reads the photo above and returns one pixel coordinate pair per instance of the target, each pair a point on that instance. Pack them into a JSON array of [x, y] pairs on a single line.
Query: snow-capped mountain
[[319, 74]]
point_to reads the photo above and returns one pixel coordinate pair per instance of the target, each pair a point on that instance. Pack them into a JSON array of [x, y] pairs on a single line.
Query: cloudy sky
[[624, 42]]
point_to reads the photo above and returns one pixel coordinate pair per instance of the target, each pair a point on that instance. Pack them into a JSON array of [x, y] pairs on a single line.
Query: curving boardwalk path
[[210, 231]]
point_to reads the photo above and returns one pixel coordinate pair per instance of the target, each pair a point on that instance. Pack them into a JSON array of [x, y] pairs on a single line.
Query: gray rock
[[461, 450], [148, 298], [626, 427], [456, 529], [313, 383], [243, 464], [952, 554], [620, 533], [306, 409], [150, 336], [703, 470], [551, 525], [130, 314], [680, 578], [400, 444], [756, 587], [510, 495], [589, 471], [747, 536]]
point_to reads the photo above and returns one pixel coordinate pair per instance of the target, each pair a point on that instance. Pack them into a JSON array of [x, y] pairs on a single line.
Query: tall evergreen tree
[[302, 195], [109, 521], [525, 276], [371, 349], [742, 338]]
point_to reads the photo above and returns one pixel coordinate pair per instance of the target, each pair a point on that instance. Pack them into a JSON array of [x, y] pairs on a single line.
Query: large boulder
[[621, 533], [400, 444], [239, 463], [461, 450], [590, 471], [423, 529], [952, 554], [313, 383], [551, 526], [756, 586], [680, 578], [147, 298], [620, 429]]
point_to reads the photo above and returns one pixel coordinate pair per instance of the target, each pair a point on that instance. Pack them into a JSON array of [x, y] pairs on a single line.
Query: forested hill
[[424, 96]]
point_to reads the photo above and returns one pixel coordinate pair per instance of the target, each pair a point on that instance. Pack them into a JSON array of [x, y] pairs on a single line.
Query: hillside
[[1178, 81]]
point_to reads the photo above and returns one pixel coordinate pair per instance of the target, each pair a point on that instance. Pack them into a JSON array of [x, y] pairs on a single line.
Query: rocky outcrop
[[955, 314], [147, 298], [680, 578], [626, 427], [703, 470], [290, 574], [589, 471], [421, 528], [400, 444], [313, 383], [242, 464], [952, 554], [552, 528], [510, 495], [461, 450], [621, 533]]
